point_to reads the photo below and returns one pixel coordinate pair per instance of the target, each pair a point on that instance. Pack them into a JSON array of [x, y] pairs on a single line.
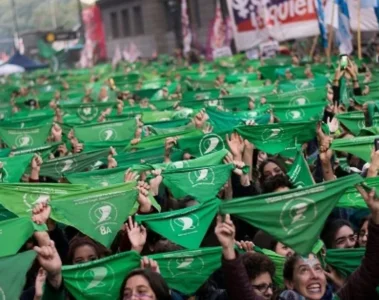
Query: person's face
[[262, 286], [282, 189], [103, 93], [345, 238], [271, 169], [330, 95], [283, 250], [138, 288], [84, 254], [363, 234], [308, 279]]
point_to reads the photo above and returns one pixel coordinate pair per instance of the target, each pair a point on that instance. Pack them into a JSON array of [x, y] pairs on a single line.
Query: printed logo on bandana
[[97, 281], [2, 294], [252, 114], [214, 103], [297, 214], [203, 96], [103, 215], [272, 134], [295, 114], [65, 165], [23, 140], [185, 225], [164, 119], [304, 85], [183, 113], [186, 265], [202, 177], [87, 112], [178, 165], [354, 198], [3, 172], [32, 200], [108, 134], [299, 100], [211, 143]]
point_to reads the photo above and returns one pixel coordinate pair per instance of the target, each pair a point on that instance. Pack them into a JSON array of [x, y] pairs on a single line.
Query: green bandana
[[185, 227], [107, 131], [86, 112], [345, 261], [14, 167], [81, 162], [100, 279], [313, 111], [27, 137], [358, 146], [275, 138], [299, 173], [186, 271], [202, 183], [13, 271], [295, 217], [98, 213]]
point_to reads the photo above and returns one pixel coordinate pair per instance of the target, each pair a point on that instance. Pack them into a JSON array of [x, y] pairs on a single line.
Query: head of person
[[281, 249], [363, 232], [82, 249], [144, 284], [270, 168], [305, 276], [260, 270], [276, 184], [338, 234], [295, 60]]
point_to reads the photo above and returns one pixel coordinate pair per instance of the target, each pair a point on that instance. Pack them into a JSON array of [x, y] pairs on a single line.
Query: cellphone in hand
[[343, 61], [376, 144]]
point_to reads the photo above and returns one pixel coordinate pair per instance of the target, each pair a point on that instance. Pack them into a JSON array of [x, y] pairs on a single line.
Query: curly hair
[[257, 264]]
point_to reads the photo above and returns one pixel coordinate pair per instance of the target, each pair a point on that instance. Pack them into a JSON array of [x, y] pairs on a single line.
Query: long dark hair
[[155, 280]]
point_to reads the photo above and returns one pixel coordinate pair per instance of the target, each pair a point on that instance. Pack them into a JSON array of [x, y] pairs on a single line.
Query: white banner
[[368, 17], [255, 21]]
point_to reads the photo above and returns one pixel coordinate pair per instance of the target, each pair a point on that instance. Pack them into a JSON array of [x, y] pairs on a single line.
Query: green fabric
[[313, 111], [14, 167], [81, 162], [355, 121], [345, 261], [14, 233], [275, 138], [186, 271], [202, 183], [100, 279], [353, 199], [98, 213], [302, 84], [299, 173], [21, 198], [87, 112], [203, 145], [294, 217], [358, 146], [13, 271], [185, 227], [25, 137], [278, 261], [42, 151], [98, 178], [122, 130]]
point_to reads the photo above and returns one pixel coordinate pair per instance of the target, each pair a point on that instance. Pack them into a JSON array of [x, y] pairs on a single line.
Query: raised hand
[[41, 213], [56, 132], [39, 283], [137, 235], [236, 145], [225, 232], [245, 245], [130, 175], [155, 182], [149, 263], [143, 199], [49, 259], [333, 124], [372, 202]]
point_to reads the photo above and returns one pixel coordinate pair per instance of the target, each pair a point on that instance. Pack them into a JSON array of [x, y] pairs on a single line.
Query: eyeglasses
[[263, 287], [141, 296]]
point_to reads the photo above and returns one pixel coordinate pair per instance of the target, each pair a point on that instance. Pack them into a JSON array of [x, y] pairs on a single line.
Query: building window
[[125, 22], [138, 20], [114, 25]]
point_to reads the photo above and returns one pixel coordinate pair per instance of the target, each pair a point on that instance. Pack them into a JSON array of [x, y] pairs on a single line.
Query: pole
[[15, 24], [53, 13], [82, 29], [314, 44], [359, 34], [330, 38]]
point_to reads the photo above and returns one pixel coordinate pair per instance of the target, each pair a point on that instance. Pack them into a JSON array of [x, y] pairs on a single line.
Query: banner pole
[[313, 48], [359, 34], [330, 38]]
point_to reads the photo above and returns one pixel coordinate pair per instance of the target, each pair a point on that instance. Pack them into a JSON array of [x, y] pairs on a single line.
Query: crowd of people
[[234, 179]]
